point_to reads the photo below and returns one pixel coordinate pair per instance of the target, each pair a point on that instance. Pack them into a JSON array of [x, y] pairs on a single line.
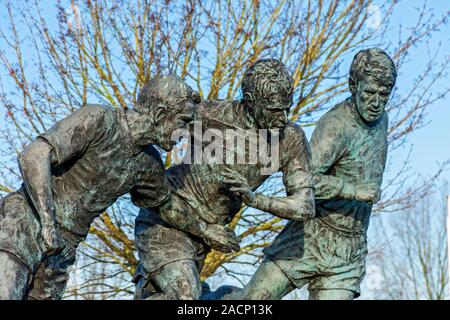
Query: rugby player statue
[[349, 148], [74, 172], [174, 238]]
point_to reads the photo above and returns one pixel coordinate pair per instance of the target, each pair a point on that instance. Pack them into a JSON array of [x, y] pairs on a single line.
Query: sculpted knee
[[189, 291], [331, 295]]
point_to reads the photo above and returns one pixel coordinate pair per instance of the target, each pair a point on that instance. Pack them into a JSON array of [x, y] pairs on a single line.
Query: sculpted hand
[[53, 243], [239, 185], [221, 238], [368, 193]]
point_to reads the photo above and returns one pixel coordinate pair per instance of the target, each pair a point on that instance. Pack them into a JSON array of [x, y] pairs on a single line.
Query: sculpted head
[[372, 78], [170, 104], [267, 89]]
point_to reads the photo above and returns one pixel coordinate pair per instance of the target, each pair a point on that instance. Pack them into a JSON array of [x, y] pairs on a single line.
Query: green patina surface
[[349, 147], [74, 172]]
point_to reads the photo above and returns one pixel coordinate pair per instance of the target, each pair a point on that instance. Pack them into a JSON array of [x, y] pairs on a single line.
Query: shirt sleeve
[[296, 160], [328, 144], [70, 137], [152, 187]]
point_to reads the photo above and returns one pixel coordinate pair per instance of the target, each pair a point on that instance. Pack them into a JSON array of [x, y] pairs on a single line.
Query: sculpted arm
[[66, 140], [299, 203], [35, 166], [328, 145], [155, 191], [298, 206], [216, 236]]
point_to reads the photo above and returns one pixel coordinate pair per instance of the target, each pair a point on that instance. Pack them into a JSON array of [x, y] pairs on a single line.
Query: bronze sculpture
[[349, 148], [75, 171], [173, 240]]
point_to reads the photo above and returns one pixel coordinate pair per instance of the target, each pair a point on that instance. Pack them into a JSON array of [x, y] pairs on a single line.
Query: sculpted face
[[267, 89], [371, 98], [176, 120], [271, 112], [165, 103]]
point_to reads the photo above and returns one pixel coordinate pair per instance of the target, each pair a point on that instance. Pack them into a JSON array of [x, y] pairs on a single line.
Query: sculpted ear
[[249, 98], [352, 85], [160, 113], [196, 97]]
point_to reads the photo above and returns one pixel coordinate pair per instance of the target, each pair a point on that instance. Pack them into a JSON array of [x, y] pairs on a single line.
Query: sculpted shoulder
[[336, 114], [334, 122], [94, 114], [294, 145], [221, 114], [96, 110], [293, 131], [210, 107]]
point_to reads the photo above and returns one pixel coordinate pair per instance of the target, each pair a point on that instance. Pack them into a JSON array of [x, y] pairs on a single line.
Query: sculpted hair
[[164, 91], [265, 77], [375, 63]]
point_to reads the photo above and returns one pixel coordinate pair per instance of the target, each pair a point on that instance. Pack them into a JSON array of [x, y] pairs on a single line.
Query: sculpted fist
[[239, 185], [53, 243], [221, 238], [368, 193]]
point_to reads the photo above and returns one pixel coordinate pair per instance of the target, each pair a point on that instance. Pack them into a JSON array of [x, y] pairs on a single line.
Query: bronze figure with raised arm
[[74, 172], [173, 239], [349, 148]]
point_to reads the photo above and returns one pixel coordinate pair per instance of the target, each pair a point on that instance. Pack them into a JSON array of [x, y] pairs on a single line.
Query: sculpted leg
[[50, 280], [178, 280], [268, 283], [220, 294], [331, 295], [14, 277]]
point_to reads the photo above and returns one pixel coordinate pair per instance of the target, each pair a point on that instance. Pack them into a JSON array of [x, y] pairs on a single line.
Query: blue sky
[[431, 145]]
